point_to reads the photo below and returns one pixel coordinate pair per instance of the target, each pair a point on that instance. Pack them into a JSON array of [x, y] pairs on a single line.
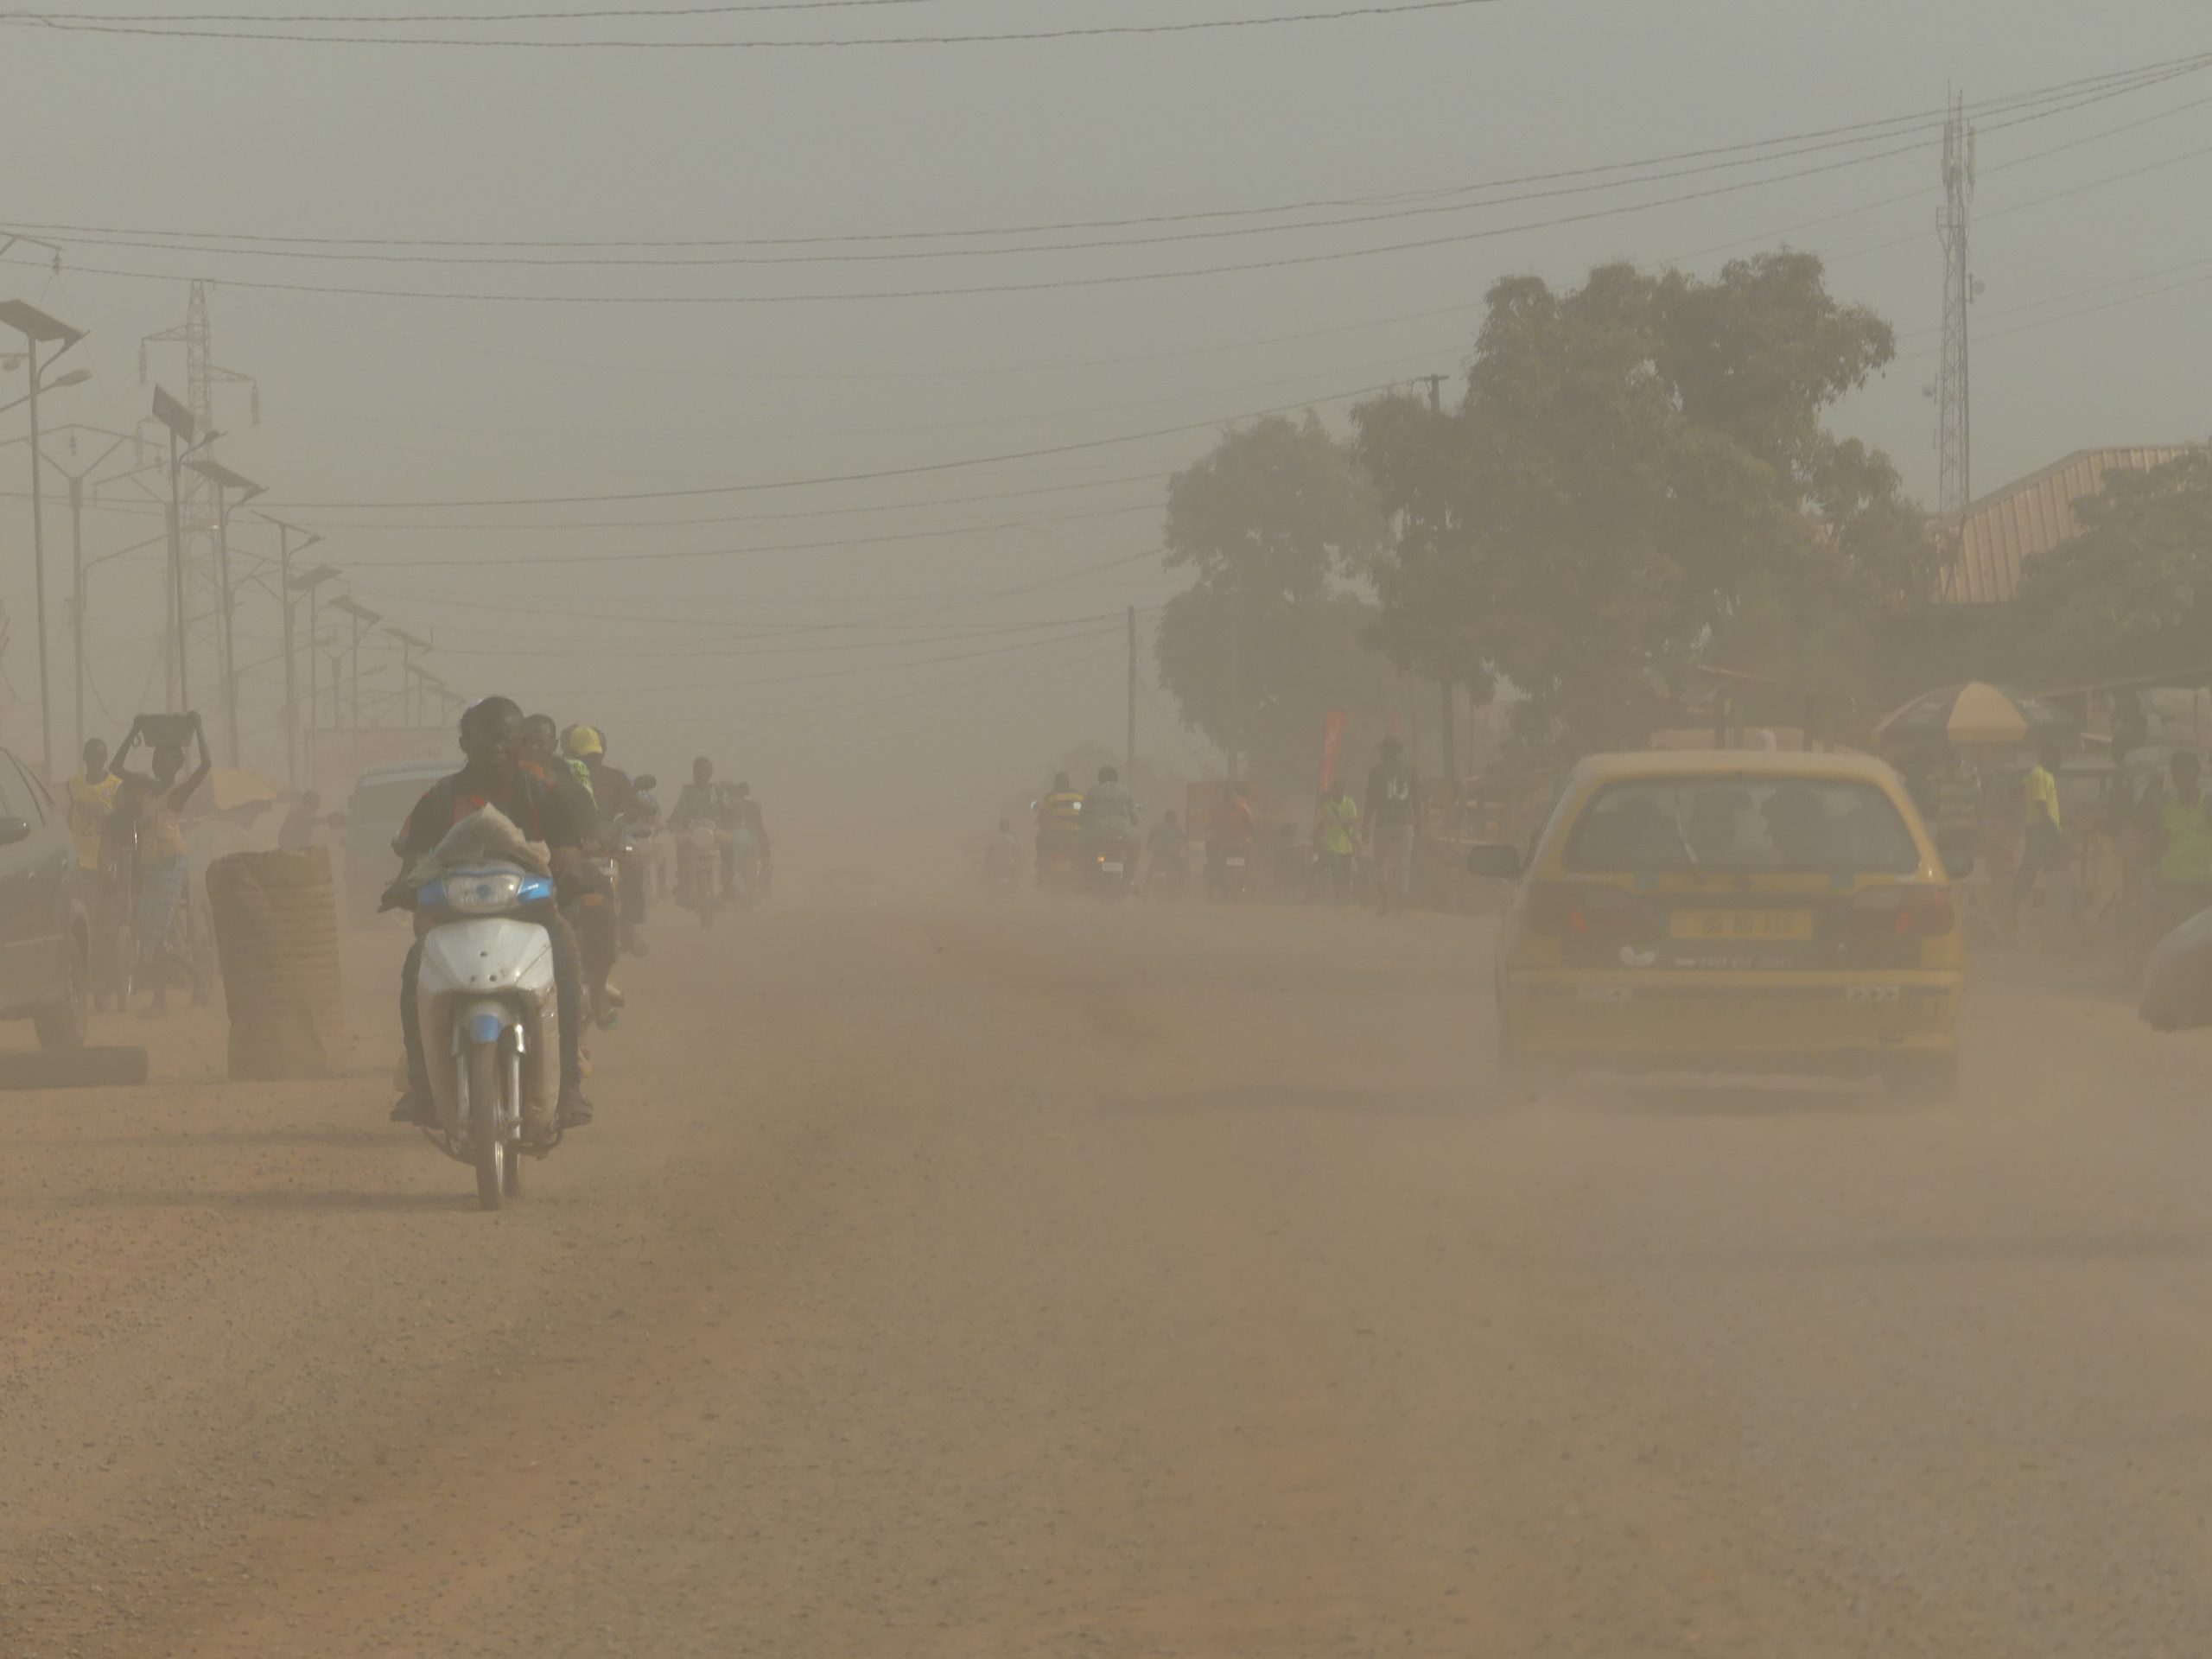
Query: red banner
[[1332, 743]]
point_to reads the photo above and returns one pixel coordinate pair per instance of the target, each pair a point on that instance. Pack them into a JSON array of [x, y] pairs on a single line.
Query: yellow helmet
[[584, 741]]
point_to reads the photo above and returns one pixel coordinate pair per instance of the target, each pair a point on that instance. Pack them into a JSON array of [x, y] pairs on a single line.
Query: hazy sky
[[376, 399]]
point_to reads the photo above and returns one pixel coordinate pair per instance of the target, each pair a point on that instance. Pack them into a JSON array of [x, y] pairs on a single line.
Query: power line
[[664, 555], [919, 469], [743, 646], [2110, 83], [98, 23], [1102, 280], [1072, 636], [1423, 203]]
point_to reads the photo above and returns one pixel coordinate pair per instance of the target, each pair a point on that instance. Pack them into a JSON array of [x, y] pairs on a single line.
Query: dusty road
[[1064, 1281]]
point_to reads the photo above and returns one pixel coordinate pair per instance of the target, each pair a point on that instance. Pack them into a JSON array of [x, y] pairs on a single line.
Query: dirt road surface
[[1061, 1280]]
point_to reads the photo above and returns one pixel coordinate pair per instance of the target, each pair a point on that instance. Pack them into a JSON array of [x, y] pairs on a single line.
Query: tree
[[1637, 481], [1276, 524], [2131, 593]]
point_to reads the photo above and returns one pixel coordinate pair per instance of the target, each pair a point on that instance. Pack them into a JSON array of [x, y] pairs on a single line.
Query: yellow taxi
[[1750, 911]]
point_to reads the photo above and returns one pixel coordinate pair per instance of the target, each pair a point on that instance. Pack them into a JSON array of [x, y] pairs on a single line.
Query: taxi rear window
[[1739, 824]]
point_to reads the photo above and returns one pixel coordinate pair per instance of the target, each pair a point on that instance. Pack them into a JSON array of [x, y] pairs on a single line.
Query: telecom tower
[[203, 604], [1953, 420]]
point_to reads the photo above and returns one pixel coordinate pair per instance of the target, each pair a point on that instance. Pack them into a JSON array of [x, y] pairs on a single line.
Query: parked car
[[375, 813], [1731, 911], [45, 932]]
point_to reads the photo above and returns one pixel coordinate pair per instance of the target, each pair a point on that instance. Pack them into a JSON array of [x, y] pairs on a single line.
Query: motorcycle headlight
[[474, 894]]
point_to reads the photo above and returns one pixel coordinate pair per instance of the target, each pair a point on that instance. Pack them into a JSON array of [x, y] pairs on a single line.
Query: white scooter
[[491, 1021]]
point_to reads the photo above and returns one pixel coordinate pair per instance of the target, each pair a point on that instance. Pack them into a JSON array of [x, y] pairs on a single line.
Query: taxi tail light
[[1566, 910], [1905, 912]]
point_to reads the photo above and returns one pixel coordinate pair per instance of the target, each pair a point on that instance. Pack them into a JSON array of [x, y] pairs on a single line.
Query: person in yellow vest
[[1339, 832], [92, 798], [2043, 847]]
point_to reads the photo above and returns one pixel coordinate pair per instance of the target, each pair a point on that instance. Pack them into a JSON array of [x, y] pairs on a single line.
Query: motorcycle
[[698, 869], [1167, 877], [490, 1021], [1110, 871], [1228, 873], [1057, 868]]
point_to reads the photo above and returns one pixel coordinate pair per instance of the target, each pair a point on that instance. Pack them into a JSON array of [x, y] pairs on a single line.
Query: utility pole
[[199, 598], [1436, 383], [1954, 421], [1131, 751], [37, 329]]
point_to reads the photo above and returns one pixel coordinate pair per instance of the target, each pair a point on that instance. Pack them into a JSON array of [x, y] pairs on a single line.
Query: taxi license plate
[[1732, 924]]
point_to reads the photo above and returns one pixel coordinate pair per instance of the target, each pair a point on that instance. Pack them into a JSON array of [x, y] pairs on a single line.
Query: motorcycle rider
[[1167, 854], [1231, 830], [701, 801], [1060, 819], [1110, 814], [493, 775], [590, 907], [1002, 857], [616, 797], [745, 813]]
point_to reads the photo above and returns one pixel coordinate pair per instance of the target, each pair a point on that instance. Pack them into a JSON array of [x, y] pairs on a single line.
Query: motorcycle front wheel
[[481, 1075]]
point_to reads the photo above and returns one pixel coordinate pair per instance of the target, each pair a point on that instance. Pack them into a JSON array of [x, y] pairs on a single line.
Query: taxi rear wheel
[[1930, 1079]]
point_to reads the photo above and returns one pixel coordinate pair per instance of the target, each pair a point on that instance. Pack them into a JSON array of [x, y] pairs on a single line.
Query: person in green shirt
[[1338, 830], [2181, 843]]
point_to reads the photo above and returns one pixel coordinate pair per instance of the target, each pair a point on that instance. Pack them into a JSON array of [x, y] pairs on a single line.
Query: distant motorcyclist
[[491, 739], [1168, 852], [752, 833], [616, 797], [1002, 857], [1110, 811], [1231, 833], [1059, 816], [1393, 821], [590, 903]]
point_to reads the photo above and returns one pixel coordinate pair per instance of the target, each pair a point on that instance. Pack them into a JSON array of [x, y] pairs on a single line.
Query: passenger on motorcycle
[[616, 797], [590, 907], [1110, 811], [493, 775], [751, 838]]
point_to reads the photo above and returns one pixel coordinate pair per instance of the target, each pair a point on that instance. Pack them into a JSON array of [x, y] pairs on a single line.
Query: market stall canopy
[[1973, 712]]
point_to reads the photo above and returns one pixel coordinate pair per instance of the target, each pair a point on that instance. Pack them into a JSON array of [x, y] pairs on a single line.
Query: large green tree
[[2131, 593], [1277, 527], [1637, 481]]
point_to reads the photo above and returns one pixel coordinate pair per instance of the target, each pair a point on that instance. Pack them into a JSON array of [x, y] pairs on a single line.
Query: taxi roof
[[1738, 763]]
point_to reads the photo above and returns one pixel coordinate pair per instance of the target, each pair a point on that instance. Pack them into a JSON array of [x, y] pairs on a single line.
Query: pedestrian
[[1339, 833], [296, 833], [2043, 847], [164, 865], [1393, 818]]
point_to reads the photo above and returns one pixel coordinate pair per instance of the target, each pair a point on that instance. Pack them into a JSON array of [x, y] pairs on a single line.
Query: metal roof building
[[1991, 538]]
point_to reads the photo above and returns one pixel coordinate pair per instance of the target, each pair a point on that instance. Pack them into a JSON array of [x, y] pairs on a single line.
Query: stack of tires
[[277, 938]]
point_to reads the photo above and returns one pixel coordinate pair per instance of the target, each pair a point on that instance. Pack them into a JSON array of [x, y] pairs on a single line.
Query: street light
[[38, 329], [364, 620], [225, 481], [284, 591], [74, 378], [182, 442], [309, 582], [409, 644], [303, 581]]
